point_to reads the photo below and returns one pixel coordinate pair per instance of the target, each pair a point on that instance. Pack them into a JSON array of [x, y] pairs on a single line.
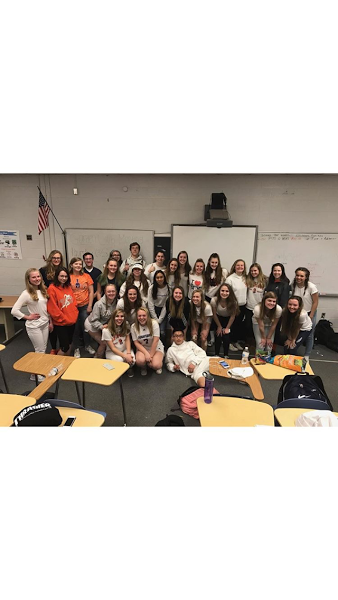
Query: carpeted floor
[[149, 399]]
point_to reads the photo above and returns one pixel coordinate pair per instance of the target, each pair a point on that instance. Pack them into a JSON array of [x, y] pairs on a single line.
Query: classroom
[[296, 214]]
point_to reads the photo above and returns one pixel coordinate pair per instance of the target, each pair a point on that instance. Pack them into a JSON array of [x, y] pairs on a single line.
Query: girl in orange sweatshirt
[[62, 309]]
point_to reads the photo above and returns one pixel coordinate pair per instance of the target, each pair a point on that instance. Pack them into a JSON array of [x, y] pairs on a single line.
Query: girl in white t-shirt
[[296, 325], [200, 318], [172, 274], [237, 280], [38, 322], [308, 292], [256, 283], [196, 277], [130, 302], [150, 270], [158, 294], [225, 309], [145, 333], [137, 278], [117, 338], [184, 270], [265, 317]]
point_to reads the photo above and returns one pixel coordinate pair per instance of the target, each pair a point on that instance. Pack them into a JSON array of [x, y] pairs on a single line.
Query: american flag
[[43, 213]]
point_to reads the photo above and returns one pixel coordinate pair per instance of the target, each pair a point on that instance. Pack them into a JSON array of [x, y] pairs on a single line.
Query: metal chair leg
[[122, 400], [78, 392], [3, 377]]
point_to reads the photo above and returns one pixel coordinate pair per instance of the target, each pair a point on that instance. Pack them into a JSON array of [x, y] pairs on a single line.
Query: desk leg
[[122, 400], [78, 392], [83, 394], [36, 381], [9, 323], [57, 388], [3, 377]]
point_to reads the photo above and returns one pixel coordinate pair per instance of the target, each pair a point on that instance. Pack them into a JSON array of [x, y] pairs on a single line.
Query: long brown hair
[[143, 279], [187, 267], [290, 321], [31, 290], [176, 308], [103, 278], [218, 271], [270, 313], [138, 302], [177, 276], [50, 268], [306, 282], [230, 302], [149, 323], [114, 330], [261, 280], [193, 311]]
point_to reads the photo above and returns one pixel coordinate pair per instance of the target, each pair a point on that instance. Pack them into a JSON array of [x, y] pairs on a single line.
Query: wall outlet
[[323, 316]]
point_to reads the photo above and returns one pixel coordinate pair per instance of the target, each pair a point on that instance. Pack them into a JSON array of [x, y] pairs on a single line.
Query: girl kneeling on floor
[[117, 338], [145, 333], [265, 318]]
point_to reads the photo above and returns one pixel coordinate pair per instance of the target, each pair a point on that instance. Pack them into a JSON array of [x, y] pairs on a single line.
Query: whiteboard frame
[[105, 229], [206, 227], [322, 294]]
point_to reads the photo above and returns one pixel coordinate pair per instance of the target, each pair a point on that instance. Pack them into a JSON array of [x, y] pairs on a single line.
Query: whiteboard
[[101, 241], [315, 251], [231, 243]]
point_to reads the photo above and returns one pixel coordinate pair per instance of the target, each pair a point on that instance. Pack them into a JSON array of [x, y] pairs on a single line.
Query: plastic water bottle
[[209, 388], [55, 370], [245, 356]]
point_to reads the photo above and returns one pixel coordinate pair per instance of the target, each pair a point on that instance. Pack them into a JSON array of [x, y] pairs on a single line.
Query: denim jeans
[[309, 341], [79, 328]]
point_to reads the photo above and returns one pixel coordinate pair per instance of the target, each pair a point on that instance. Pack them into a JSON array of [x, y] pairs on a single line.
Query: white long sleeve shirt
[[33, 306], [184, 354], [160, 301], [239, 286]]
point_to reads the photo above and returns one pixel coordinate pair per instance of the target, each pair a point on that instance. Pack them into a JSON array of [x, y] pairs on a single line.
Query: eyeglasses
[[178, 335]]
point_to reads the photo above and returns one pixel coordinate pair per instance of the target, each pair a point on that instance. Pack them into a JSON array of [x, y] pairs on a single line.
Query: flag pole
[[62, 230]]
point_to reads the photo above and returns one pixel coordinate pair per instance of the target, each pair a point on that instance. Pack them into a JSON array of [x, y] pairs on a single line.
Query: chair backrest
[[304, 403]]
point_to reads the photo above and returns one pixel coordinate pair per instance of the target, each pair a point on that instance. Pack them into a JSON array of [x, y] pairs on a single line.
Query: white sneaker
[[238, 346], [144, 372], [159, 371], [232, 348], [130, 372], [90, 350], [77, 353], [209, 343]]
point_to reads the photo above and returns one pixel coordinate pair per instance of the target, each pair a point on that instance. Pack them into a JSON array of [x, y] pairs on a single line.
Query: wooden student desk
[[6, 318], [11, 404], [91, 370], [287, 417], [226, 411], [41, 364], [253, 382], [268, 371]]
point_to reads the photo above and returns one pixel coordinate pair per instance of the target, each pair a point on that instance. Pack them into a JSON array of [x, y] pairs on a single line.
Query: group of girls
[[136, 309]]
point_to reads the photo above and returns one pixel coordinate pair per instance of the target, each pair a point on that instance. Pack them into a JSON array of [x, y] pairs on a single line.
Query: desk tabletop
[[11, 404], [41, 364], [274, 372], [253, 381], [225, 411], [2, 347], [8, 301], [91, 370], [287, 417]]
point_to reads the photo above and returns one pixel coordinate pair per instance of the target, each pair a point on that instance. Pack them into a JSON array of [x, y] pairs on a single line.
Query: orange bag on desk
[[288, 361]]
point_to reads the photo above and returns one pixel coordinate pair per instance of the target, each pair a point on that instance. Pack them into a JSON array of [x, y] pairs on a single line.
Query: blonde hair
[[31, 290], [261, 280], [149, 321], [233, 268]]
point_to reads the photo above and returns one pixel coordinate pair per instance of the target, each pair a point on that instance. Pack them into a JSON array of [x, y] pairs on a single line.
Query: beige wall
[[298, 203]]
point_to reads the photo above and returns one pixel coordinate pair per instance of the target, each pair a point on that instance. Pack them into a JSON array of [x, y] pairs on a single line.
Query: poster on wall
[[10, 246]]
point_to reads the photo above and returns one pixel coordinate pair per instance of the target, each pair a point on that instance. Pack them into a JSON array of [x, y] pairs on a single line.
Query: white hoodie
[[183, 355]]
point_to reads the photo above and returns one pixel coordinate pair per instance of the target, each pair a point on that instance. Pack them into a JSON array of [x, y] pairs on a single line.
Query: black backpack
[[170, 421], [323, 332], [303, 386]]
